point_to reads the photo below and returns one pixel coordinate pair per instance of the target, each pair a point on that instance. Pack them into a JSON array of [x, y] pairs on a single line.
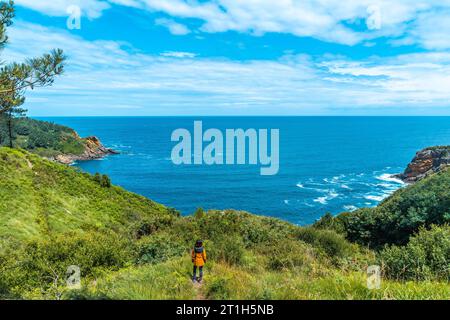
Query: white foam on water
[[308, 204], [322, 200], [332, 194], [389, 178], [385, 185], [350, 208], [376, 198]]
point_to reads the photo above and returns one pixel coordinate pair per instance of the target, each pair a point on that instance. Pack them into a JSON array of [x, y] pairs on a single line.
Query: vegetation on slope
[[128, 247], [396, 219], [44, 138]]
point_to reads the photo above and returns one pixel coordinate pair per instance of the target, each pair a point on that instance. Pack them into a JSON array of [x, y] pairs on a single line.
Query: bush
[[328, 222], [332, 244], [199, 213], [229, 249], [43, 264], [97, 178], [218, 289], [151, 224], [159, 248], [288, 255], [425, 257], [105, 181]]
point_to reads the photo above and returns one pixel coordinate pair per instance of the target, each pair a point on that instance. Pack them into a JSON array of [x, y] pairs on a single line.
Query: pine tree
[[16, 78], [11, 115], [11, 103]]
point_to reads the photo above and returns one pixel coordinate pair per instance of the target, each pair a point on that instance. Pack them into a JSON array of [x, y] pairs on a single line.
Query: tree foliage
[[394, 221], [16, 78]]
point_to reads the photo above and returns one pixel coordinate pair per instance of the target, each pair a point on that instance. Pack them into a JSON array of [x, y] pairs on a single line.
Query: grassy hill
[[41, 137], [128, 247]]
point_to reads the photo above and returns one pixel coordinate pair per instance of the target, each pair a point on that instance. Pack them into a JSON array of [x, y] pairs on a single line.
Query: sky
[[238, 57]]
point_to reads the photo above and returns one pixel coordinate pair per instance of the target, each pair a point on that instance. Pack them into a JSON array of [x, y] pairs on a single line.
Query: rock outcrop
[[94, 149], [426, 162]]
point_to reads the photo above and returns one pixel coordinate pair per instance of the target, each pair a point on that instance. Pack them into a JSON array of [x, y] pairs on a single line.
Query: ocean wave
[[321, 190], [322, 200], [332, 194], [376, 198], [350, 208], [309, 205], [386, 185], [389, 178]]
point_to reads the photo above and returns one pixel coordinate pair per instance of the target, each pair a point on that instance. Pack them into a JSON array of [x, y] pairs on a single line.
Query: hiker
[[198, 255]]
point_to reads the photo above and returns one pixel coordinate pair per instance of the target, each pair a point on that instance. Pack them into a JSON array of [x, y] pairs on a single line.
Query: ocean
[[327, 164]]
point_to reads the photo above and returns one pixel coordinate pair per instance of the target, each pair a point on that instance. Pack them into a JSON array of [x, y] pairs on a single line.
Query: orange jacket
[[198, 258]]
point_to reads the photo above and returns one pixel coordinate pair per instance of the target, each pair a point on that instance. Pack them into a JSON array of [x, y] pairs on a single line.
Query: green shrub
[[199, 213], [330, 223], [229, 249], [219, 289], [43, 264], [97, 178], [159, 248], [151, 224], [288, 254], [425, 257], [332, 244], [173, 212], [105, 181]]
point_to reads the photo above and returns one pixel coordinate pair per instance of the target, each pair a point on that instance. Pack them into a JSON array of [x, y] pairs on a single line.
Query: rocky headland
[[426, 162], [93, 149]]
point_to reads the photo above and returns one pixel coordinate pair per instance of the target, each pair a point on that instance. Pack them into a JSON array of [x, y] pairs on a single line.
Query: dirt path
[[199, 291]]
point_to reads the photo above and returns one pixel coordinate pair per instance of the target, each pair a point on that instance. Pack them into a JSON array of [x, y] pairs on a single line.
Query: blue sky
[[235, 57]]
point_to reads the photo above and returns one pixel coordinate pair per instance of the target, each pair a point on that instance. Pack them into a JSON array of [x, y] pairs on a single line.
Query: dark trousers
[[200, 271]]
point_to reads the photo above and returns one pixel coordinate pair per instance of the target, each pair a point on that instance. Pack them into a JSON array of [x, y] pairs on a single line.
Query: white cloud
[[90, 8], [174, 28], [104, 76], [178, 54], [408, 22], [432, 30]]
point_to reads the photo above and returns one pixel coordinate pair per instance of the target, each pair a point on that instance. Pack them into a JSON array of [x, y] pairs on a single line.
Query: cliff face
[[94, 149], [426, 162]]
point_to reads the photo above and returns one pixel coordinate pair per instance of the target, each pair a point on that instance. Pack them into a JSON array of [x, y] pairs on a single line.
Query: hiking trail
[[199, 292]]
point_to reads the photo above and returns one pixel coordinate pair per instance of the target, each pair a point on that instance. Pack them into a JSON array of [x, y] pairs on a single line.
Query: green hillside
[[41, 137], [422, 204], [127, 247]]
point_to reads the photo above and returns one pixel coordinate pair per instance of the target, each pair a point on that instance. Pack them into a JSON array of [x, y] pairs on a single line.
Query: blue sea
[[327, 164]]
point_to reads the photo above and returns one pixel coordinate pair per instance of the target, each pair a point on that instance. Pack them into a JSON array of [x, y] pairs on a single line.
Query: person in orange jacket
[[198, 255]]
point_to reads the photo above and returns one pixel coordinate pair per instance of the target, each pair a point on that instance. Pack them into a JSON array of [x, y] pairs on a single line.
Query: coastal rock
[[94, 149], [426, 162]]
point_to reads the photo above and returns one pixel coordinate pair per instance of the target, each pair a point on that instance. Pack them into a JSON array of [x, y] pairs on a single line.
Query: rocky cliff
[[426, 162], [94, 149]]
